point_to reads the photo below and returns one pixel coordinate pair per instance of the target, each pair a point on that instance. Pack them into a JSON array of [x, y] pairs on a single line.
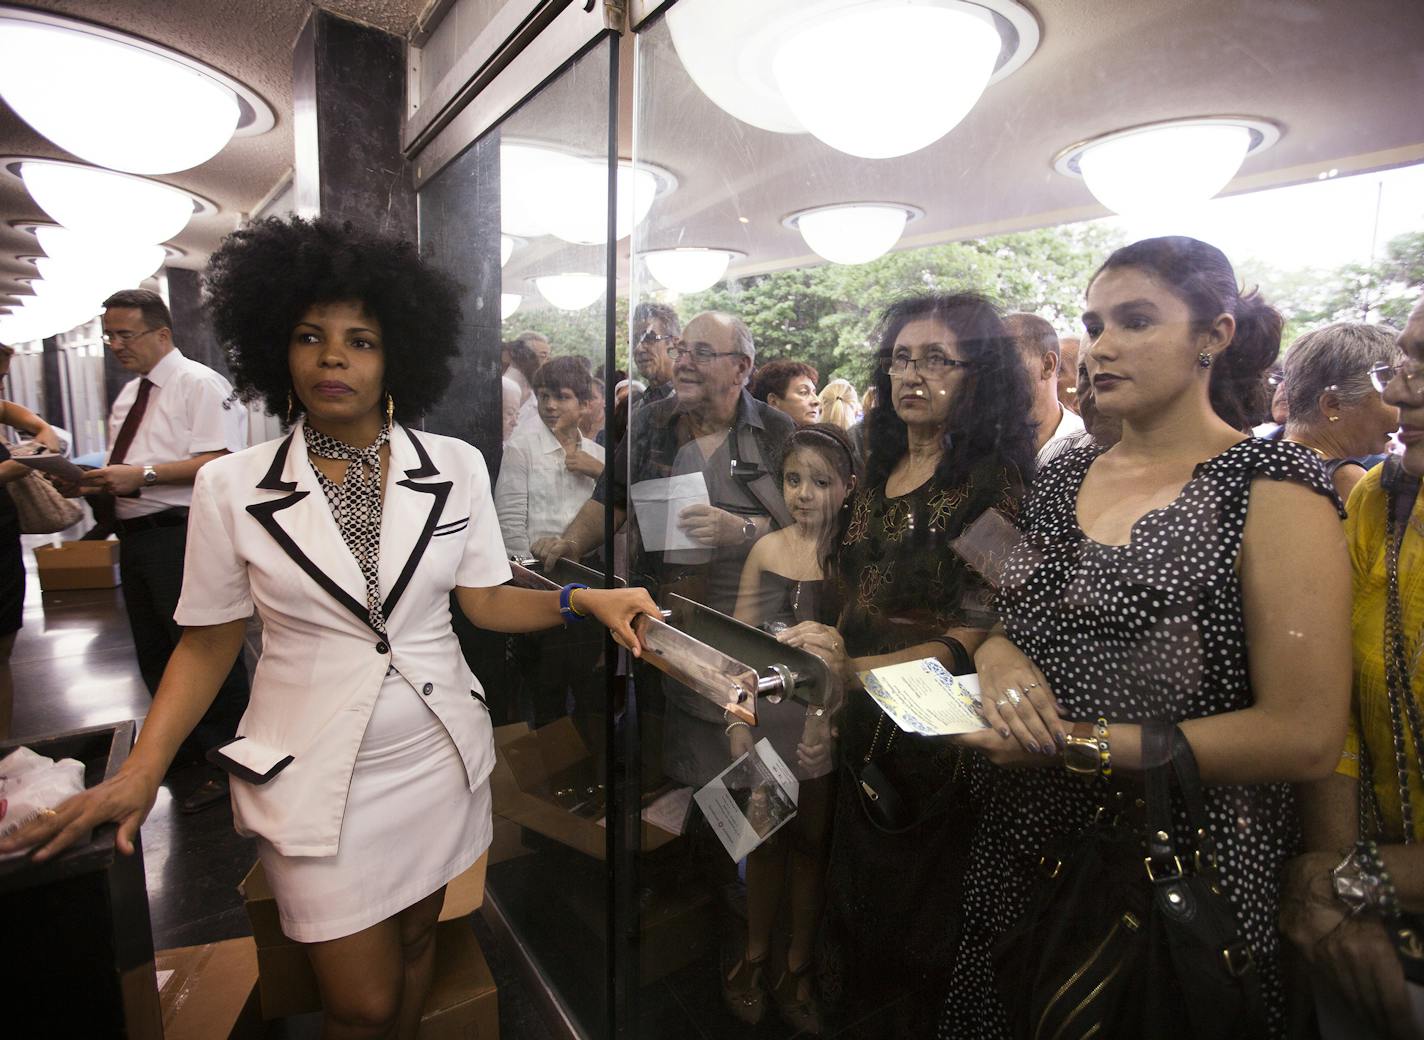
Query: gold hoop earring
[[390, 409], [291, 407]]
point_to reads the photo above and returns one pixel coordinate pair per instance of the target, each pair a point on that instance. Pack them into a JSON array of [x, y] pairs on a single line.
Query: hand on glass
[[125, 798], [616, 609], [710, 526], [826, 643], [116, 480], [582, 463], [548, 551], [1353, 952], [816, 751], [1016, 698]]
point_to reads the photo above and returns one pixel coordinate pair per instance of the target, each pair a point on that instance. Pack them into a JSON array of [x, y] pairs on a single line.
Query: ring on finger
[[1031, 686], [47, 813], [1001, 702], [1013, 696]]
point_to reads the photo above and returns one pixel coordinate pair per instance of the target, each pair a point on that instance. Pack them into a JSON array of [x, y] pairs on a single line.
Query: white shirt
[[191, 410], [1070, 424], [536, 495], [262, 535]]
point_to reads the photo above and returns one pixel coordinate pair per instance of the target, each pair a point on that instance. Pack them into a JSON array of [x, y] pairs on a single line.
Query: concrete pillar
[[192, 333]]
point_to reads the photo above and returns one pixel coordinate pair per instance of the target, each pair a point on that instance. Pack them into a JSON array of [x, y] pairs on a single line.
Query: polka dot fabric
[[1152, 629]]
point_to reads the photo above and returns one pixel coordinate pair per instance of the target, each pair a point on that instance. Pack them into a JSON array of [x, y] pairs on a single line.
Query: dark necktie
[[130, 426]]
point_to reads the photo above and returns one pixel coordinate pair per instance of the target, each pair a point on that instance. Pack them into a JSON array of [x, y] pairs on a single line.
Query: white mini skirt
[[411, 825]]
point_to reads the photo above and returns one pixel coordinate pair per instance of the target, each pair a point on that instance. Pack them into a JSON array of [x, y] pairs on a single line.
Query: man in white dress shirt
[[1037, 345], [163, 427]]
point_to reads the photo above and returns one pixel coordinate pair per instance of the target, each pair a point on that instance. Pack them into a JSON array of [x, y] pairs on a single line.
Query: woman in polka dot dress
[[1162, 579]]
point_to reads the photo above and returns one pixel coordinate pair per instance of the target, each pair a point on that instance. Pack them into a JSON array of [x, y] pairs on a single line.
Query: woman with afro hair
[[363, 761]]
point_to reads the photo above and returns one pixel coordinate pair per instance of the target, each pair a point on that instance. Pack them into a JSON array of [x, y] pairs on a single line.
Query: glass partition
[[519, 218], [855, 311]]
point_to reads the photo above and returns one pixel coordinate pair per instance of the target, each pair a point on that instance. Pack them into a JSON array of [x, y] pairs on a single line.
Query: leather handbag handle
[[1157, 778]]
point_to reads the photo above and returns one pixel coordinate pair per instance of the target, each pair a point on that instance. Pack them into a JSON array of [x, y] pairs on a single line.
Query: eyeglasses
[[1412, 372], [125, 337], [700, 355], [651, 338], [932, 366], [1275, 379]]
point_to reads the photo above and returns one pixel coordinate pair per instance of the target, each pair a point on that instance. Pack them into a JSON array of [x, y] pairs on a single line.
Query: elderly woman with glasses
[[1334, 410], [949, 441], [1350, 901]]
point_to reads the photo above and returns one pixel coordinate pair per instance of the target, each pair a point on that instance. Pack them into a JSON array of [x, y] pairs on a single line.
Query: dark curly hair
[[989, 423], [266, 275], [1201, 277]]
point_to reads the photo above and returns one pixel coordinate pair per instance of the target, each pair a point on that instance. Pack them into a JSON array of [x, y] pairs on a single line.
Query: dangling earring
[[1204, 359], [1334, 418], [291, 407], [390, 409]]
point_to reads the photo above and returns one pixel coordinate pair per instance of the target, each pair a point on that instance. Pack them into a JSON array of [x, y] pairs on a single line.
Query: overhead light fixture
[[544, 191], [40, 317], [1146, 171], [872, 78], [79, 84], [854, 233], [102, 204], [98, 260], [508, 304], [689, 269], [506, 249], [571, 292]]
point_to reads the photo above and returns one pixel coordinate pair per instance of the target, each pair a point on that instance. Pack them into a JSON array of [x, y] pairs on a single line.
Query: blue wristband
[[566, 606]]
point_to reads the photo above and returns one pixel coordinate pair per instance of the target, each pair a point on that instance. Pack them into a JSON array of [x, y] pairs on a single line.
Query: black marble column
[[192, 333], [348, 97], [53, 384], [459, 233]]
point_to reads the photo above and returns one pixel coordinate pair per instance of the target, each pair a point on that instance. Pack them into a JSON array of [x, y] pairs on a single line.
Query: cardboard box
[[78, 565], [210, 992], [285, 978], [463, 1003], [534, 768]]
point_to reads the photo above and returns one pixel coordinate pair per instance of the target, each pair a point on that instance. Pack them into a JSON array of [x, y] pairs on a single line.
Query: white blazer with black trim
[[261, 534]]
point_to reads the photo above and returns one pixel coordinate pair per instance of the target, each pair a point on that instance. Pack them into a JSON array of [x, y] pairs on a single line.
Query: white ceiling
[[1343, 78]]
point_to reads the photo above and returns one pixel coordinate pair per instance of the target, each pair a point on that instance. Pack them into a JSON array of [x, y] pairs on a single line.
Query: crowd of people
[[1205, 556]]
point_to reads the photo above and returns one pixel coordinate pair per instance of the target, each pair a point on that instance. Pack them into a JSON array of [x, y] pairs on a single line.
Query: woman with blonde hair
[[840, 404]]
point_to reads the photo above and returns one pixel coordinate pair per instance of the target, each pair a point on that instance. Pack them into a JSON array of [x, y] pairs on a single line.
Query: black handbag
[[1129, 933]]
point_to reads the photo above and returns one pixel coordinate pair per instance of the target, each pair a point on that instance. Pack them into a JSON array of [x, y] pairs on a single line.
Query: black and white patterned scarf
[[356, 505]]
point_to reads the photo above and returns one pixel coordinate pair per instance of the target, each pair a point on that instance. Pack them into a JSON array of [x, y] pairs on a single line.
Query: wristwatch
[[1080, 752], [150, 476], [749, 531]]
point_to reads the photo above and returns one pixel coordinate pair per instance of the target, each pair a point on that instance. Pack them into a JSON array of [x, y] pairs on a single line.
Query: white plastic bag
[[31, 783]]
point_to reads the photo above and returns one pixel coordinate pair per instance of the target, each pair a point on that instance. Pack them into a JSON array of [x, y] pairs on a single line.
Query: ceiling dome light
[[873, 78], [917, 72], [108, 205], [81, 90], [571, 292], [78, 83], [1147, 171], [129, 263], [855, 233], [547, 192], [689, 269], [508, 304]]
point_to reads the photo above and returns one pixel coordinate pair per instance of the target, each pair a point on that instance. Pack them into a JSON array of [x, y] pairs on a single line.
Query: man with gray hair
[[1037, 346], [713, 428], [1332, 407]]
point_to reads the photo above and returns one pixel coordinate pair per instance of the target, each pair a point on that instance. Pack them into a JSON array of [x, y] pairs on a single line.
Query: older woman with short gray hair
[[1335, 409]]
